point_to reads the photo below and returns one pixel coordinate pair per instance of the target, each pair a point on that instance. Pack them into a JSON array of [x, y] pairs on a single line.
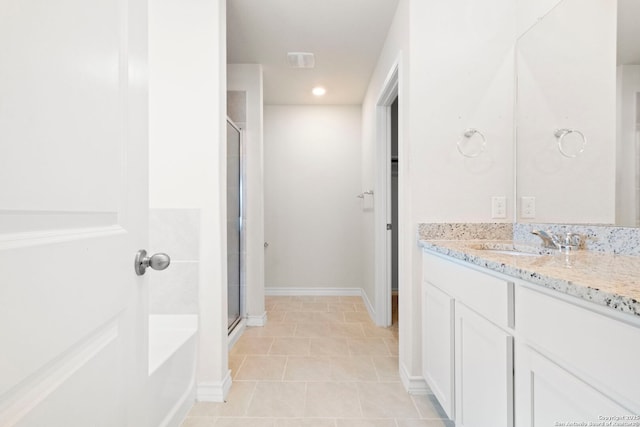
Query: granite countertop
[[606, 279]]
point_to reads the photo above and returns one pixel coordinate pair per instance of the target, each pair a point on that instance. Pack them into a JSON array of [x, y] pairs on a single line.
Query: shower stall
[[234, 225]]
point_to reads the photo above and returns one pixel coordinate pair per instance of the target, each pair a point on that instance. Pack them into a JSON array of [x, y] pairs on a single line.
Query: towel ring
[[468, 134], [561, 133]]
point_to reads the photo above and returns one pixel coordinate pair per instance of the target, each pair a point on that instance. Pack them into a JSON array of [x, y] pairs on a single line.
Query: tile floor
[[319, 362]]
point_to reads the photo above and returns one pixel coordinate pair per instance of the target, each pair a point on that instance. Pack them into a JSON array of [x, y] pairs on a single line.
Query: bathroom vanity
[[511, 337]]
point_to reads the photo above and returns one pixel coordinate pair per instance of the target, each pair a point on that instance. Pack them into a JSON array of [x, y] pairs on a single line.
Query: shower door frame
[[241, 259]]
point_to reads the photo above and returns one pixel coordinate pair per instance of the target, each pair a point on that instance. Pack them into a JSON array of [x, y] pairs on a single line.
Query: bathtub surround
[[176, 232]]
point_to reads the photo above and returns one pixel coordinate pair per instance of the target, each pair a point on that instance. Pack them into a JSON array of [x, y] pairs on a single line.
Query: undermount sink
[[511, 249]]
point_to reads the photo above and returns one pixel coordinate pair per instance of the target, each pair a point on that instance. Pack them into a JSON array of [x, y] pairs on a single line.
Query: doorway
[[387, 211], [234, 226], [393, 201]]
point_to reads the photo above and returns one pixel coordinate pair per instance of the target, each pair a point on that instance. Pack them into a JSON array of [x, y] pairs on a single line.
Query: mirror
[[578, 112]]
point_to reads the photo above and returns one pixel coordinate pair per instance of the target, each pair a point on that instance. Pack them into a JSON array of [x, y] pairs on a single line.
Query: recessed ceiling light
[[319, 91]]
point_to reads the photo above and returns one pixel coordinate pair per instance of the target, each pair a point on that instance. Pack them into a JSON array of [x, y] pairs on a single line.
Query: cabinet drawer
[[600, 350], [490, 296]]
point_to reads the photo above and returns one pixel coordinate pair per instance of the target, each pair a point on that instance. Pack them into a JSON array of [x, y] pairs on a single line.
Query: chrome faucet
[[549, 241], [567, 241]]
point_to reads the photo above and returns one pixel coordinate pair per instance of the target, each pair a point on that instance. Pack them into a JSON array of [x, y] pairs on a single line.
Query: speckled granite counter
[[607, 279]]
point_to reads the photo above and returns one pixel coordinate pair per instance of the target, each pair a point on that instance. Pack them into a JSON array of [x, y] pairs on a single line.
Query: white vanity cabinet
[[467, 347], [502, 352], [437, 344], [574, 363]]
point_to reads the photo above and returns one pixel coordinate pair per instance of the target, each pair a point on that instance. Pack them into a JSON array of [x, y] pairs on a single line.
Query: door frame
[[382, 201]]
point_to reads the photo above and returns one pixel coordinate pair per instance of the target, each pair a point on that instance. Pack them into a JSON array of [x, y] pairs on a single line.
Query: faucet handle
[[570, 240]]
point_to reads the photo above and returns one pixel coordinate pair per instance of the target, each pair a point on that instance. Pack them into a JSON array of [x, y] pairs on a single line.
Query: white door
[[73, 206]]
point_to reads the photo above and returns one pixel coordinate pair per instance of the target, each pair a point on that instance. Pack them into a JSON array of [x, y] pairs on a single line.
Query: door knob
[[158, 261]]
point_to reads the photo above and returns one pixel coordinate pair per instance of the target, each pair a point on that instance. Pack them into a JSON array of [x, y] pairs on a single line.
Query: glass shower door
[[234, 225]]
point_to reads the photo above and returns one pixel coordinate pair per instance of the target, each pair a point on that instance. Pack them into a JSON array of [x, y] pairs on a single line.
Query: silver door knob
[[158, 261]]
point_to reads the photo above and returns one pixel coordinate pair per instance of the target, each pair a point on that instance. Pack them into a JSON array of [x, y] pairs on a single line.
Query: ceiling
[[346, 37]]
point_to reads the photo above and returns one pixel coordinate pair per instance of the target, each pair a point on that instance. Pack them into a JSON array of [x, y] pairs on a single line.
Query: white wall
[[186, 112], [312, 216], [458, 73], [566, 79], [628, 82], [248, 78]]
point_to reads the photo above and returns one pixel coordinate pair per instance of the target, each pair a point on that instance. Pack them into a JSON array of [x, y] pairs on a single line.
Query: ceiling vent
[[301, 59]]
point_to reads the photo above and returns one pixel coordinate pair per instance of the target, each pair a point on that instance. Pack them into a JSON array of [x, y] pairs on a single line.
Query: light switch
[[528, 207], [498, 207]]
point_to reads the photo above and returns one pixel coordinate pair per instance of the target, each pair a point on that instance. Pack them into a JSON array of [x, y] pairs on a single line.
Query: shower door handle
[[158, 261]]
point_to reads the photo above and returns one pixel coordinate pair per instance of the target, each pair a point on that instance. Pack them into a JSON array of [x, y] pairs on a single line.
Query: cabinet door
[[549, 395], [484, 371], [437, 344]]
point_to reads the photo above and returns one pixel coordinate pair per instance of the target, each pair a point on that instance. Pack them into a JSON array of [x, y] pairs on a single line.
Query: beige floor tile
[[328, 316], [235, 361], [252, 345], [275, 316], [387, 368], [299, 316], [315, 306], [428, 406], [368, 346], [329, 347], [352, 368], [366, 422], [199, 422], [305, 422], [308, 369], [371, 330], [358, 316], [205, 409], [262, 368], [276, 329], [349, 330], [392, 345], [332, 400], [291, 346], [386, 400], [360, 307], [245, 422], [288, 306], [352, 300], [278, 399], [327, 299], [303, 298], [425, 423], [315, 329], [238, 400], [341, 306]]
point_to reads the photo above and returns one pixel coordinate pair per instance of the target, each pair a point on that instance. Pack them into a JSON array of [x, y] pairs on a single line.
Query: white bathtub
[[172, 364]]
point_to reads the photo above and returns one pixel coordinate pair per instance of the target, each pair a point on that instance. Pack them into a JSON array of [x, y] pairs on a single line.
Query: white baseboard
[[312, 292], [214, 392], [260, 320], [367, 303], [413, 384]]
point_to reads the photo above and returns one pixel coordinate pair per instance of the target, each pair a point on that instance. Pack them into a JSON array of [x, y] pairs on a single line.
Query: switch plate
[[528, 207], [498, 207]]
